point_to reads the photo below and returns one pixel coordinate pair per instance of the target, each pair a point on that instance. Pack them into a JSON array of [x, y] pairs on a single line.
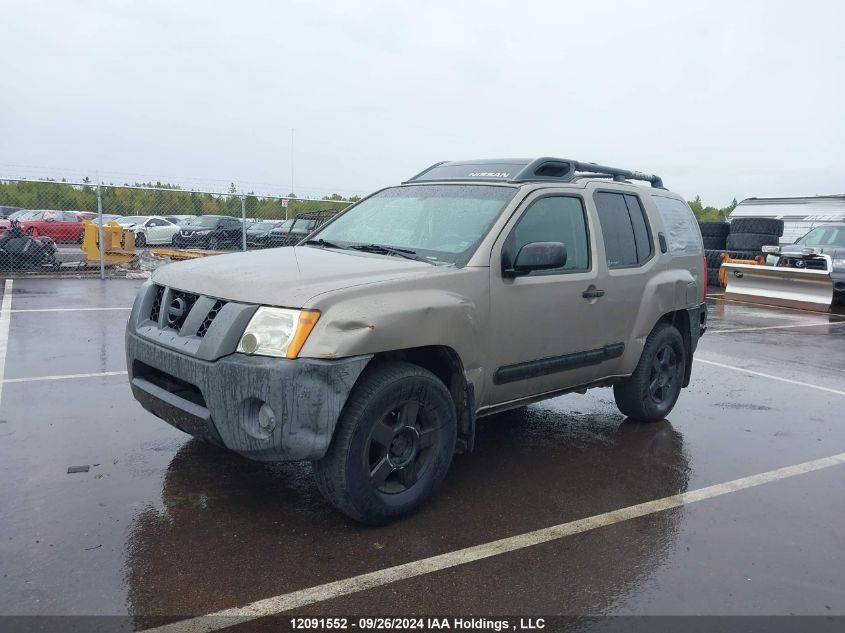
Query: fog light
[[258, 419], [266, 419]]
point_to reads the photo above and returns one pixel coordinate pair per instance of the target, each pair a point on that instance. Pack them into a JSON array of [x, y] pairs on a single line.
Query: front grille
[[178, 307], [215, 309], [155, 313], [807, 263], [171, 310]]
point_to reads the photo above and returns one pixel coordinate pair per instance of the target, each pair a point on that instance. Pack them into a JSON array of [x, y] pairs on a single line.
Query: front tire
[[653, 389], [140, 240], [393, 444]]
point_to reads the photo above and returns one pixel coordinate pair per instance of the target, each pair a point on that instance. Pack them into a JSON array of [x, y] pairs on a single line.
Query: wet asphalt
[[163, 525]]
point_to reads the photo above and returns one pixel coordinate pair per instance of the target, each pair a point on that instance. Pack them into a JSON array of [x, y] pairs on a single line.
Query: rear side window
[[624, 228], [555, 219], [682, 234]]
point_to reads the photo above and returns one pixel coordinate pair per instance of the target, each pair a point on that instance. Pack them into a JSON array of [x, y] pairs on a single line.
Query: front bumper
[[219, 401]]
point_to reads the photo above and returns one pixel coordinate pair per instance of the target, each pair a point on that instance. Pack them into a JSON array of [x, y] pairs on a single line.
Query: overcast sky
[[722, 99]]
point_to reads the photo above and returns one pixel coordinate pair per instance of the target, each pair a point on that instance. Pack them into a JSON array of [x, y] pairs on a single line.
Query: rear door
[[541, 337], [629, 261]]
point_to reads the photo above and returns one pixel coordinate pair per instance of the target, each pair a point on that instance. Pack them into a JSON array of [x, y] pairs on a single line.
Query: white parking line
[[774, 327], [64, 376], [5, 309], [742, 370], [347, 586], [68, 309]]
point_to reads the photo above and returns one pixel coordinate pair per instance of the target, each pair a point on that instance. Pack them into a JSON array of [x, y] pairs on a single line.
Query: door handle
[[592, 293]]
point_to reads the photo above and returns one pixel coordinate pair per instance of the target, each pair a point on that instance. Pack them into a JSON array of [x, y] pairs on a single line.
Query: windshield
[[443, 223], [304, 225], [262, 226], [205, 220], [824, 236], [132, 219]]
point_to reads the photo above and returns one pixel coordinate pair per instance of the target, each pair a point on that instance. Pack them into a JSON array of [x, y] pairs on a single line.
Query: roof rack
[[545, 169]]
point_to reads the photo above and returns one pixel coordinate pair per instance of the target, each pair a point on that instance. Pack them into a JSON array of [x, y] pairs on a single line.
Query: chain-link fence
[[60, 228]]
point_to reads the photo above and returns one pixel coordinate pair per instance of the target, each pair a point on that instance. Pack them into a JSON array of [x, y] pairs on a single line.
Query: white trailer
[[799, 215]]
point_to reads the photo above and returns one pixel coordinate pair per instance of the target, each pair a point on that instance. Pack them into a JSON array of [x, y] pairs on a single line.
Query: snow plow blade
[[779, 286]]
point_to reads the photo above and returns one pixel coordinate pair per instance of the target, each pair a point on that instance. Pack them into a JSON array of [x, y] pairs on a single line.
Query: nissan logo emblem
[[176, 310]]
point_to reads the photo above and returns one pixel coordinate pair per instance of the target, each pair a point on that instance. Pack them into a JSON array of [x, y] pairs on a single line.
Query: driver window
[[555, 219]]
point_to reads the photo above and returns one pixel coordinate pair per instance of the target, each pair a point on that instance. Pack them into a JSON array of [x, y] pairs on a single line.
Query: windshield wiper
[[391, 250], [323, 243]]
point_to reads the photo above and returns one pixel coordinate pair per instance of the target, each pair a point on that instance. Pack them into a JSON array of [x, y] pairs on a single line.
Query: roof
[[522, 170]]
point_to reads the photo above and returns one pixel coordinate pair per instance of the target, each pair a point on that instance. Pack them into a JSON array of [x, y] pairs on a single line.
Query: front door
[[543, 334]]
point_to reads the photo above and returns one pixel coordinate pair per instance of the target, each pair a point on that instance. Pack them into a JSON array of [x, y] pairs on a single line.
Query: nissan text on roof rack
[[373, 346]]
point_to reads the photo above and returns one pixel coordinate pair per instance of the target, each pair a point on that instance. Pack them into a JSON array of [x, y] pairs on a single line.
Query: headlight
[[277, 332], [203, 232], [838, 264]]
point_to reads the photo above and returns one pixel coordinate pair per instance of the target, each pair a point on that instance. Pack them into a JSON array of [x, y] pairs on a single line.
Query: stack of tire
[[743, 238], [715, 235]]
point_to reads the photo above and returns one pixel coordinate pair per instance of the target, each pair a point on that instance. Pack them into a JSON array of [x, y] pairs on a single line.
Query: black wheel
[[140, 240], [714, 243], [714, 257], [714, 229], [765, 226], [751, 241], [652, 390], [713, 278], [392, 446], [213, 243]]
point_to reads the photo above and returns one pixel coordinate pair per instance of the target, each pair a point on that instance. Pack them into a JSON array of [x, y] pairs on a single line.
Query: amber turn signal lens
[[306, 323]]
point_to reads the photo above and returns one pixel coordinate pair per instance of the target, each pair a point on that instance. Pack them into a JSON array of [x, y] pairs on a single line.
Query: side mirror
[[537, 256]]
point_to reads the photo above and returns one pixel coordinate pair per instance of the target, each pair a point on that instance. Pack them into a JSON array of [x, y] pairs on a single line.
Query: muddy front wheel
[[392, 446]]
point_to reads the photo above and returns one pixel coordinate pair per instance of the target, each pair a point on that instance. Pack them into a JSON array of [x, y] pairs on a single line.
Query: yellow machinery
[[118, 244], [177, 255], [727, 259]]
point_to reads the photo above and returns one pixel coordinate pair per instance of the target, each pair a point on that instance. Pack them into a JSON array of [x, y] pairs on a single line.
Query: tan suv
[[373, 346]]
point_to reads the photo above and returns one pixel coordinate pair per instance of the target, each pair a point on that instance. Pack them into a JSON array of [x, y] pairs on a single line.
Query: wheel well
[[680, 320], [444, 362]]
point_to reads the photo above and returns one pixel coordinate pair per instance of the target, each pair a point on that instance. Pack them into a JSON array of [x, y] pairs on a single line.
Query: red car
[[62, 226]]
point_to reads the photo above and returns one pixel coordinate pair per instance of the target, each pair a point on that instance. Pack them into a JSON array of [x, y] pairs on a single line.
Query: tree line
[[159, 199], [167, 199]]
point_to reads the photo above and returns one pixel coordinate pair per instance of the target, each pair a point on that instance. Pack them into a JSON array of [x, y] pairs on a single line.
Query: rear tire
[[392, 446], [765, 226], [751, 241], [714, 229], [714, 243], [653, 389]]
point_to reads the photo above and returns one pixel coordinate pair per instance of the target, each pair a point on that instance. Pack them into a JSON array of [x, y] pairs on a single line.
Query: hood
[[835, 252], [286, 277]]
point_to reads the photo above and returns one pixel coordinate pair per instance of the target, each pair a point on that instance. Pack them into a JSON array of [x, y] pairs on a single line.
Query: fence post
[[243, 221], [100, 231]]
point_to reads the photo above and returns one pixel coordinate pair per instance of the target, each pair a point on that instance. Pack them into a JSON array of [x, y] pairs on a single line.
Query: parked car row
[[213, 232]]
